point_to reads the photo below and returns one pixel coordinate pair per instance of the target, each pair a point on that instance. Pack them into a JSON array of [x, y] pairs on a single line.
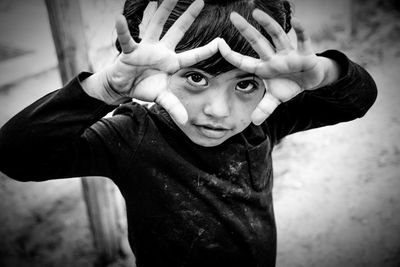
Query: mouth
[[212, 131]]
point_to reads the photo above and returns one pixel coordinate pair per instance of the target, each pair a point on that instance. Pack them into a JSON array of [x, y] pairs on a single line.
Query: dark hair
[[213, 22]]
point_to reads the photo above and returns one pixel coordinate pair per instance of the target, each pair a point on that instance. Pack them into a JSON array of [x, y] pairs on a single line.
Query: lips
[[214, 131]]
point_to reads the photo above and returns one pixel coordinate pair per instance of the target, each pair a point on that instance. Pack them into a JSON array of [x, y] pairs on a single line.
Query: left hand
[[285, 70]]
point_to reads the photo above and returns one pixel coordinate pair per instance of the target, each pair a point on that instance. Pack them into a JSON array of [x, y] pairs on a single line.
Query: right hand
[[142, 70], [285, 69]]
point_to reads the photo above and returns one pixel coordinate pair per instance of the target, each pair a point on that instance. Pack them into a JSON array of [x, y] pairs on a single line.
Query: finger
[[259, 43], [148, 14], [279, 38], [194, 56], [245, 63], [156, 24], [182, 24], [265, 108], [124, 37], [303, 39], [173, 106]]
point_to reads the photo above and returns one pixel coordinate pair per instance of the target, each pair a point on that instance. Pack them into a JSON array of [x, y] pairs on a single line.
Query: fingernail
[[257, 122], [199, 3], [182, 118], [257, 13], [223, 47], [223, 42], [258, 117], [234, 14]]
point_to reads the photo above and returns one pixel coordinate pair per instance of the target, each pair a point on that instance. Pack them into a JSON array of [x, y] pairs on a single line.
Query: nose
[[218, 104]]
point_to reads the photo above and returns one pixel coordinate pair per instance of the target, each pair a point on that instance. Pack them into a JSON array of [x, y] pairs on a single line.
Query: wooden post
[[69, 38]]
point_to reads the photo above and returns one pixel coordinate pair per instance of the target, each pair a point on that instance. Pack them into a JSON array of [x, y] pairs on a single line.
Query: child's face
[[218, 106]]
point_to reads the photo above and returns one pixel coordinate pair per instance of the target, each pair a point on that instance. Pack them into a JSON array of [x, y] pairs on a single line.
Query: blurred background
[[337, 189]]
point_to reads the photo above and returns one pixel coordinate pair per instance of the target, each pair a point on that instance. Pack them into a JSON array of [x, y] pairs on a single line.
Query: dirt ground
[[337, 189]]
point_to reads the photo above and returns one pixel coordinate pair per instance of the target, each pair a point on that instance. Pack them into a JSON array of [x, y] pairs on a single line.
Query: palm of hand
[[304, 70], [286, 71], [142, 69], [149, 66]]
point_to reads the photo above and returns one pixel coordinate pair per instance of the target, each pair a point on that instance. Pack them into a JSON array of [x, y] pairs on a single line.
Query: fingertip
[[221, 41], [256, 12], [120, 23], [234, 16], [258, 117], [213, 43], [173, 106], [184, 119], [199, 3], [180, 115], [196, 7], [295, 20], [297, 25], [119, 18], [260, 15], [224, 49], [217, 40], [223, 46], [301, 33]]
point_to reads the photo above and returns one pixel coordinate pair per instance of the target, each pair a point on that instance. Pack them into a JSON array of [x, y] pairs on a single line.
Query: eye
[[196, 79], [246, 86]]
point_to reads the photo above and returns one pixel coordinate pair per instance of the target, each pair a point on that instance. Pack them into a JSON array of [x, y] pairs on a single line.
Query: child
[[195, 172]]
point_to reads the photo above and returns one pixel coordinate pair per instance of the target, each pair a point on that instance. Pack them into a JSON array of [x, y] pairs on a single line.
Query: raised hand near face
[[141, 71], [285, 70]]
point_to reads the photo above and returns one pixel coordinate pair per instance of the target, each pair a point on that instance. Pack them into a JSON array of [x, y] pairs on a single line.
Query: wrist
[[99, 87], [331, 71], [110, 92]]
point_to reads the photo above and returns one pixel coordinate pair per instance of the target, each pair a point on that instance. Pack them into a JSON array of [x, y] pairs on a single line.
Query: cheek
[[188, 99], [191, 105], [243, 115], [177, 87], [245, 108]]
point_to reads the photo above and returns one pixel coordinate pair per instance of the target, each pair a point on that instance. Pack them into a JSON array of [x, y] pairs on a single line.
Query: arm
[[142, 70], [303, 90], [53, 138], [48, 139]]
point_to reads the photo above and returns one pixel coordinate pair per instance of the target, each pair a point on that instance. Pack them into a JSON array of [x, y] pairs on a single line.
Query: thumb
[[173, 106], [265, 108], [278, 90]]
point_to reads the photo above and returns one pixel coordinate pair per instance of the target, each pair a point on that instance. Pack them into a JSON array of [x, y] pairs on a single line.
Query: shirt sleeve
[[348, 98], [63, 135]]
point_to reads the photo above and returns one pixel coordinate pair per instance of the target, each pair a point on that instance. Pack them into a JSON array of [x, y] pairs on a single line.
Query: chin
[[208, 142]]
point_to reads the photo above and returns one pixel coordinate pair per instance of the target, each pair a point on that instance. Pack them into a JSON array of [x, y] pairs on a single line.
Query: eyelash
[[189, 78], [253, 89]]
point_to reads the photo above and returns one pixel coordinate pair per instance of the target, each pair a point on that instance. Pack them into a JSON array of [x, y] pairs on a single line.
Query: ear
[[148, 14]]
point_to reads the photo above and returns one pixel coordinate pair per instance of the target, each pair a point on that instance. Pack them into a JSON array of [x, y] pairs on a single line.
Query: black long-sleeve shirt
[[187, 205]]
